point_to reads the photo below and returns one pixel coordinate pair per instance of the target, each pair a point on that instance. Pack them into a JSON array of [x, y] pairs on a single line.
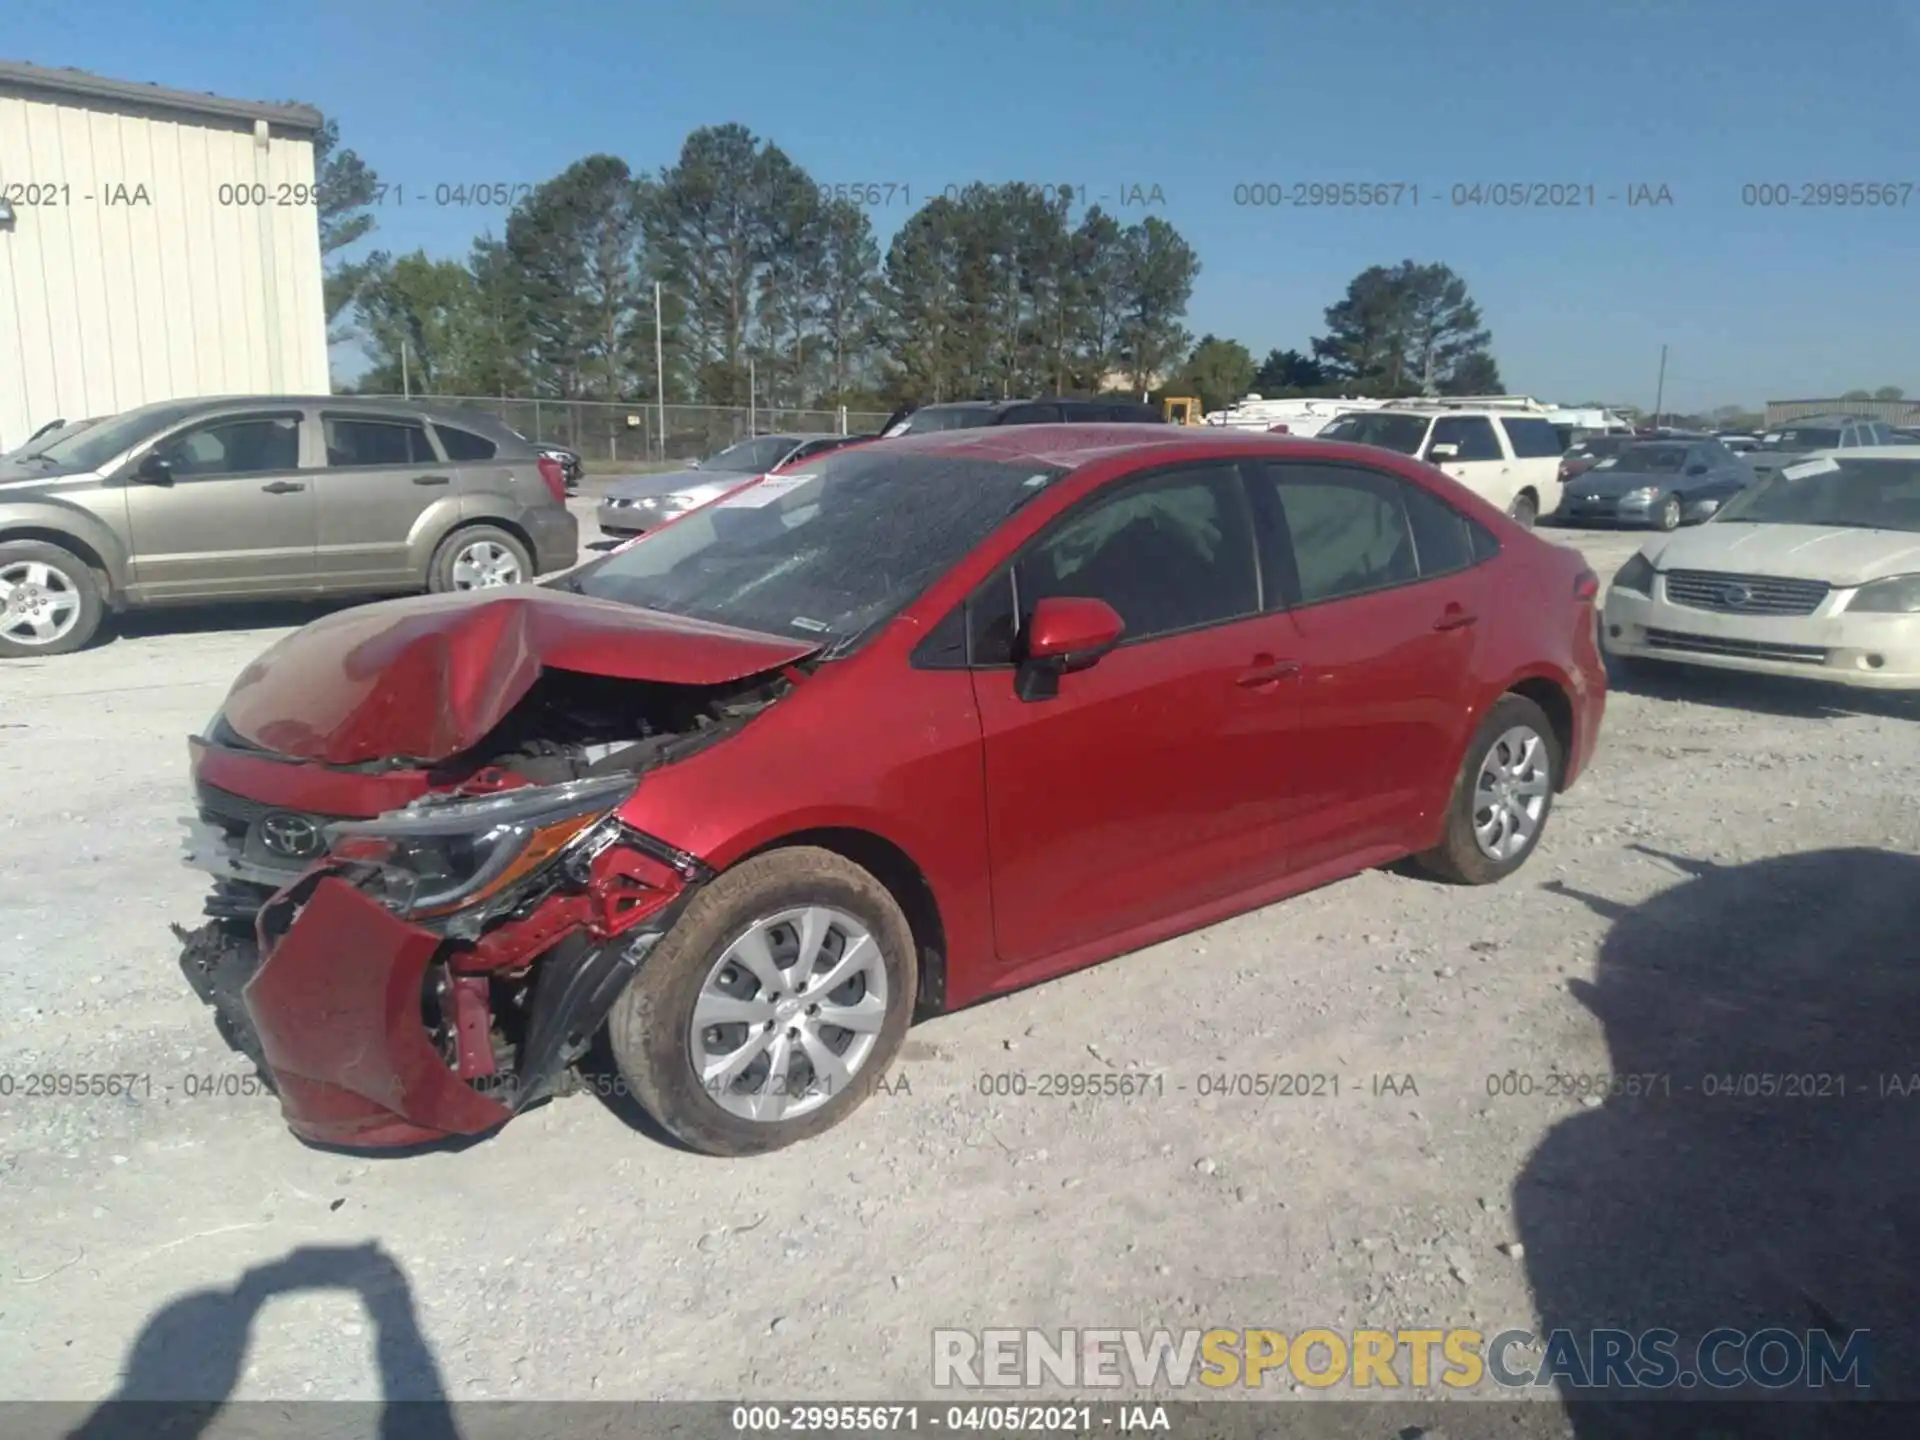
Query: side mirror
[[154, 470], [1067, 633], [1697, 469], [1442, 451]]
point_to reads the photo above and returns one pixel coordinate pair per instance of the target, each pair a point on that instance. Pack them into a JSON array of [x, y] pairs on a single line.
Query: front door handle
[[1455, 618], [283, 487], [1265, 670], [430, 480]]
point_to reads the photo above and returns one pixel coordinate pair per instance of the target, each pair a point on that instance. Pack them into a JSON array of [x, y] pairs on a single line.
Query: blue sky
[[1196, 99]]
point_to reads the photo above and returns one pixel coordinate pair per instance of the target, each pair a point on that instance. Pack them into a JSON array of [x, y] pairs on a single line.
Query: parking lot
[[1730, 890]]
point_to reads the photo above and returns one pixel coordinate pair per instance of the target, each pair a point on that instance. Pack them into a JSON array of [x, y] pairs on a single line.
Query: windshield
[[830, 551], [751, 457], [943, 417], [1388, 432], [1649, 460], [1808, 437], [87, 447], [1852, 494]]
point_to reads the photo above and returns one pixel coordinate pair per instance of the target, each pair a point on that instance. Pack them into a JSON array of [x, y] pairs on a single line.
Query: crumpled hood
[[427, 677], [1841, 557]]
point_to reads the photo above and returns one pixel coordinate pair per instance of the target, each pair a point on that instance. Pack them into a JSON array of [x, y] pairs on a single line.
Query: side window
[[1168, 554], [1347, 530], [1472, 433], [1485, 546], [356, 443], [991, 623], [1031, 415], [235, 447], [1532, 439], [1442, 542], [463, 445]]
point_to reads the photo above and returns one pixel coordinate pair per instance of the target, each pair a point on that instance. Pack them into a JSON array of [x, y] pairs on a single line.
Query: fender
[[55, 517], [430, 527]]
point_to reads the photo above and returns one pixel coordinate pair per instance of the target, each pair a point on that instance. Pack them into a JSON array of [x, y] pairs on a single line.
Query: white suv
[[1510, 458]]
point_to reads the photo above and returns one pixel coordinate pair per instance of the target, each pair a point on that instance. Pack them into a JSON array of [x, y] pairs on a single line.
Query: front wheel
[[772, 1009], [50, 602], [1666, 515], [1501, 798]]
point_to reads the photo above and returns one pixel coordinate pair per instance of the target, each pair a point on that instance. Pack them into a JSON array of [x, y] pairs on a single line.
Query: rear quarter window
[[464, 445], [1532, 439]]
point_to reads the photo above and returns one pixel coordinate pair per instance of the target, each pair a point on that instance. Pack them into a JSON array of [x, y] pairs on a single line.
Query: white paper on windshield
[[1811, 468], [754, 497]]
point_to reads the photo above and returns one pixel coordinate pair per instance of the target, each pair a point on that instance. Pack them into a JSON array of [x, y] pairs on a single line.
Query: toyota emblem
[[292, 836], [1735, 596]]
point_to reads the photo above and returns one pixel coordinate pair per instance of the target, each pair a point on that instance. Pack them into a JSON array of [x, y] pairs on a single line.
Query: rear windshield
[[1388, 432], [1808, 437]]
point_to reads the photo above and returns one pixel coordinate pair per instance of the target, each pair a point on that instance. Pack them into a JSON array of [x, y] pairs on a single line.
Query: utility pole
[[1660, 390], [753, 415], [659, 372], [406, 377]]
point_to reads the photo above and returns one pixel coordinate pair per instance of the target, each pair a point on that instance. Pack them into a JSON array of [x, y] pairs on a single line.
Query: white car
[[1813, 572], [1508, 458]]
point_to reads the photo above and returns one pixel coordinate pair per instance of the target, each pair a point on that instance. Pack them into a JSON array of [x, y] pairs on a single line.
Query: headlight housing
[[1641, 496], [681, 500], [1636, 577], [439, 856], [1895, 595]]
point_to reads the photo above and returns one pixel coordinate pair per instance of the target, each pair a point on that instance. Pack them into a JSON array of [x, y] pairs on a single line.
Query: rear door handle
[[1265, 670], [430, 480], [1454, 618], [283, 487]]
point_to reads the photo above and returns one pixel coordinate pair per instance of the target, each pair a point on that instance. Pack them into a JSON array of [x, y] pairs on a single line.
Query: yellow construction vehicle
[[1182, 410]]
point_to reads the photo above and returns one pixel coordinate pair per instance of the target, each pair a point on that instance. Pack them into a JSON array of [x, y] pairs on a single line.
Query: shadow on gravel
[[207, 619], [1762, 694], [1771, 1177], [189, 1357]]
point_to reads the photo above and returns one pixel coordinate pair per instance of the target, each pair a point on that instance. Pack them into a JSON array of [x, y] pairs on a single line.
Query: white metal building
[[154, 244]]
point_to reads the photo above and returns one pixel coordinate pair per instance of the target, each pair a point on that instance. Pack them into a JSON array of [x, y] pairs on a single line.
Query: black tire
[[1458, 857], [71, 577], [440, 576], [1525, 509], [1667, 515], [652, 1023]]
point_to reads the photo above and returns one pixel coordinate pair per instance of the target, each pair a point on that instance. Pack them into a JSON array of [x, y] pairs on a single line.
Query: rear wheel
[[770, 1010], [1502, 796], [50, 602], [1525, 508], [480, 557]]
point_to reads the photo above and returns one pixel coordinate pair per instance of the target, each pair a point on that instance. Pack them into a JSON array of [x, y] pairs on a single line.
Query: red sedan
[[927, 720]]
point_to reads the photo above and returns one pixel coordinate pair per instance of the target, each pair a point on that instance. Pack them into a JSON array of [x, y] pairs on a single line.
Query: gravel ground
[[1730, 890]]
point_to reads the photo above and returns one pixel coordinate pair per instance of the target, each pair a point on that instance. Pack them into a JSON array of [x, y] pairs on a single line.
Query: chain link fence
[[607, 433]]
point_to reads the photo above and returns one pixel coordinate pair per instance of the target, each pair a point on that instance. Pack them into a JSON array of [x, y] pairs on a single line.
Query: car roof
[[1070, 446]]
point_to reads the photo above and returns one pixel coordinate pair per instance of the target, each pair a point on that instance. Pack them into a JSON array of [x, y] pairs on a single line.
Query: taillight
[[555, 477], [1586, 587]]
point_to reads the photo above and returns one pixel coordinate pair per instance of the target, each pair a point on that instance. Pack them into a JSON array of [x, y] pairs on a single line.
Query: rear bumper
[[555, 533]]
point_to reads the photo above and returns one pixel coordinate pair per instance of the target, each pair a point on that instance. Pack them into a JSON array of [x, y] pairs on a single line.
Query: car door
[[1476, 461], [232, 514], [1148, 785], [1536, 448], [1386, 598], [383, 473]]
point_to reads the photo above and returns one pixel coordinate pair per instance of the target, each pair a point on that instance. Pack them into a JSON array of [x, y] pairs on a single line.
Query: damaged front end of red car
[[425, 899], [385, 1021]]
